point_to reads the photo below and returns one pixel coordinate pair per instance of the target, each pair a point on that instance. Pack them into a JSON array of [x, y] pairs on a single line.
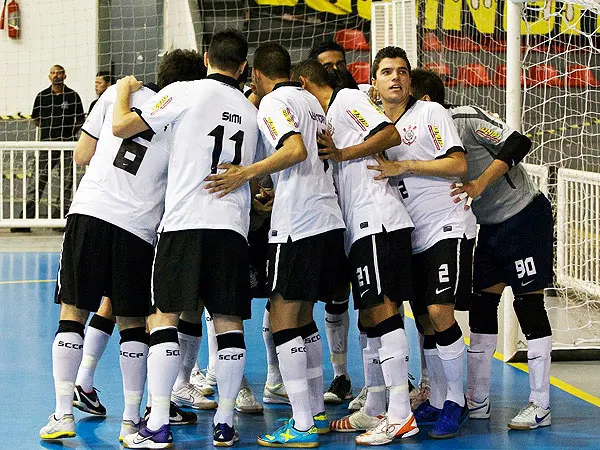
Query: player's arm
[[127, 123], [79, 112], [384, 138], [451, 165], [85, 149], [291, 152]]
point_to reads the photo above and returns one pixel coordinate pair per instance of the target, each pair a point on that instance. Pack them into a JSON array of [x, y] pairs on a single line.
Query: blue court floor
[[28, 321]]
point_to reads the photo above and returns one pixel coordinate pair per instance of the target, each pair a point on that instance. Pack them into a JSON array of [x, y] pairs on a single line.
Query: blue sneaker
[[321, 422], [224, 435], [146, 438], [451, 419], [425, 414], [288, 436]]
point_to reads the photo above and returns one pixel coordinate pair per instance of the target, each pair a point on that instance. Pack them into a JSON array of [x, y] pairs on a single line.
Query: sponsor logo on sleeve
[[289, 117], [271, 127], [161, 104], [358, 118], [489, 134], [436, 136]]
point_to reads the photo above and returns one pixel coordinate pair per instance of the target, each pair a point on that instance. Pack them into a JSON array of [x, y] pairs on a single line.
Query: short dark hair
[[327, 46], [425, 82], [272, 60], [228, 50], [180, 65], [105, 74], [243, 78], [312, 70], [388, 52]]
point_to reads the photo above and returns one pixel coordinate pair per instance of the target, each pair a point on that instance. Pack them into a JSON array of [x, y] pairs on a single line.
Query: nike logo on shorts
[[439, 291], [364, 292], [525, 284]]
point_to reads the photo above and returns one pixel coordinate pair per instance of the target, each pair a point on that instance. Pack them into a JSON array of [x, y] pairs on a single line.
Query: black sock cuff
[[308, 330], [102, 323], [230, 339], [390, 324], [189, 328], [137, 334], [70, 326], [371, 332], [449, 336], [268, 306], [487, 297], [429, 342], [529, 298], [336, 308], [164, 335], [283, 336], [361, 329]]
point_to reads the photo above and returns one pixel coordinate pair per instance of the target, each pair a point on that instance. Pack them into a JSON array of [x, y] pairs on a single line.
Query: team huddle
[[382, 191]]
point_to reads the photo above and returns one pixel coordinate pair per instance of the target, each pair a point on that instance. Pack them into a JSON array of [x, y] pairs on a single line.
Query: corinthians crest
[[409, 134]]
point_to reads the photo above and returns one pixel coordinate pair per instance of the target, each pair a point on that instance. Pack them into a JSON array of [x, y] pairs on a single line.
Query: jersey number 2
[[218, 133]]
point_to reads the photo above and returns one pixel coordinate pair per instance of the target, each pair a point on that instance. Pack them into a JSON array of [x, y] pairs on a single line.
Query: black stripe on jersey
[[479, 114], [146, 134], [90, 135], [224, 79], [410, 104], [152, 86], [248, 93], [377, 129], [139, 113], [334, 94], [287, 83], [451, 150], [284, 137]]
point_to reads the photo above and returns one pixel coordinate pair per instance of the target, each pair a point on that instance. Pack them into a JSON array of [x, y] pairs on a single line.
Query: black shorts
[[308, 269], [100, 259], [194, 267], [443, 274], [518, 251], [381, 264]]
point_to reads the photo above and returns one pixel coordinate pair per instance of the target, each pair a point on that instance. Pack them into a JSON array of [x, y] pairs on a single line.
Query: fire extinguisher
[[13, 16]]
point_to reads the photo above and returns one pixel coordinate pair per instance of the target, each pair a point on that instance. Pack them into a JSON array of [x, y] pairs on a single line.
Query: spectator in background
[[102, 82], [59, 114]]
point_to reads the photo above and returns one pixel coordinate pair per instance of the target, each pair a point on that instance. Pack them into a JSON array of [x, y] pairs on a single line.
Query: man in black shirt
[[59, 114]]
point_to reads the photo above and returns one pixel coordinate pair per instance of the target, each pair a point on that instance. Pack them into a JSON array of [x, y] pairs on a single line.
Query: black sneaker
[[340, 390], [88, 402], [177, 416]]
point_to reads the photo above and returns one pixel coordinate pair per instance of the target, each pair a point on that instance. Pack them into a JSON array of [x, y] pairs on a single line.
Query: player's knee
[[483, 313], [532, 316]]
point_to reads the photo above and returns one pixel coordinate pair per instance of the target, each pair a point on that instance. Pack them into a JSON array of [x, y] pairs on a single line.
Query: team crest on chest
[[410, 134]]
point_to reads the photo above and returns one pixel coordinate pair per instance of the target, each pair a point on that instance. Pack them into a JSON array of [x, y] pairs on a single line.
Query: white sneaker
[[419, 395], [479, 410], [358, 401], [197, 379], [128, 427], [245, 401], [357, 421], [190, 395], [385, 432], [275, 394], [531, 417], [59, 429], [210, 377]]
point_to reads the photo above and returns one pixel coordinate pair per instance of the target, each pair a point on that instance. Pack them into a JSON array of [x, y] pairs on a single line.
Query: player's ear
[[206, 59], [426, 98], [303, 81]]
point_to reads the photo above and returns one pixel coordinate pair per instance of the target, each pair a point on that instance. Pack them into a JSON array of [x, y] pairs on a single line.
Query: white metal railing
[[37, 180], [539, 175]]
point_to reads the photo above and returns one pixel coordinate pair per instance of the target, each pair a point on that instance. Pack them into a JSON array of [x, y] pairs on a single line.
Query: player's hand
[[387, 168], [468, 190], [226, 182], [262, 204], [327, 149], [374, 94], [129, 84]]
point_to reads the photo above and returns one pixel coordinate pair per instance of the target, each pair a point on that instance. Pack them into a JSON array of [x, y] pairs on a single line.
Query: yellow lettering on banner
[[338, 7], [277, 2], [543, 23], [431, 14], [484, 14], [363, 8], [571, 19], [451, 15]]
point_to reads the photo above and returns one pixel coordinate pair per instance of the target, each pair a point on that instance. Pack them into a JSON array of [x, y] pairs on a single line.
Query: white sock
[[479, 365], [362, 341], [314, 370], [273, 373], [393, 357], [437, 378], [189, 345], [133, 358], [376, 390], [211, 340], [538, 362], [293, 367], [67, 350], [336, 329], [94, 344], [231, 359], [163, 365], [452, 362]]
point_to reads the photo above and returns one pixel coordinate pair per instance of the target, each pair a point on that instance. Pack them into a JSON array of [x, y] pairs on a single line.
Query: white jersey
[[428, 133], [305, 199], [368, 205], [213, 123], [126, 179]]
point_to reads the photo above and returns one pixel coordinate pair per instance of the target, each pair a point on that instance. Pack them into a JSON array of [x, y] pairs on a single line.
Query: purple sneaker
[[224, 435], [425, 414], [450, 421], [146, 438]]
